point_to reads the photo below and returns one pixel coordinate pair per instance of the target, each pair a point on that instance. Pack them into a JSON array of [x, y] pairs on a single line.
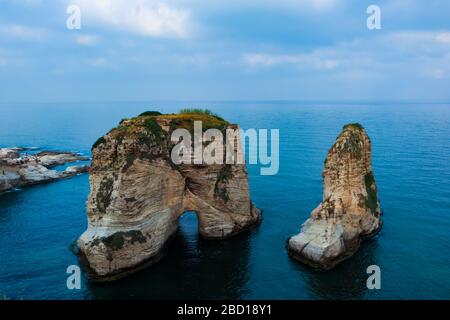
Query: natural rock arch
[[138, 194]]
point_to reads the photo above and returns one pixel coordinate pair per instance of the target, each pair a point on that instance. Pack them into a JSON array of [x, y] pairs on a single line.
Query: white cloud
[[28, 3], [320, 4], [10, 58], [16, 31], [258, 4], [98, 62], [443, 37], [3, 58], [86, 40], [313, 60], [144, 17], [414, 53], [435, 73], [413, 38]]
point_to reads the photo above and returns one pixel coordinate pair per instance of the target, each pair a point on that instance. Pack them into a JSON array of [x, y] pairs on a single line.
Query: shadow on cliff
[[347, 280], [192, 268]]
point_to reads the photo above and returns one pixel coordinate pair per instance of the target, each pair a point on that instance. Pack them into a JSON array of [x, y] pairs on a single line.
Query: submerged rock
[[18, 170], [350, 210], [138, 194], [74, 170]]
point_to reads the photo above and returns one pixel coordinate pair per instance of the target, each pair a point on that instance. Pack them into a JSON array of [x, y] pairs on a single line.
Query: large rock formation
[[350, 210], [138, 194], [19, 170]]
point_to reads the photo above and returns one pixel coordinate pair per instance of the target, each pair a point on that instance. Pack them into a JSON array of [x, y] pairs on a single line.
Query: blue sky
[[224, 50]]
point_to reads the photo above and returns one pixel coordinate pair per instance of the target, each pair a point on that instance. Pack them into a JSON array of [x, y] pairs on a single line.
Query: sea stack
[[350, 211], [138, 194]]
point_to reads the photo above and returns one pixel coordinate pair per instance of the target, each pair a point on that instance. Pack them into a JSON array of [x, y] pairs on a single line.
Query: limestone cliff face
[[138, 194], [350, 210]]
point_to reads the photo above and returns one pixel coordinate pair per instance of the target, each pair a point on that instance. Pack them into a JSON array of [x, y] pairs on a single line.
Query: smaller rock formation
[[350, 210], [18, 170]]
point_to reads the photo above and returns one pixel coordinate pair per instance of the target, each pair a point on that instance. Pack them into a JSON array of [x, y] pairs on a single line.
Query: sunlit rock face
[[138, 194], [350, 210]]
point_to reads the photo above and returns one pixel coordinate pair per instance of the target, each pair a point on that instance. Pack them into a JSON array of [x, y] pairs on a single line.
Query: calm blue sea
[[411, 160]]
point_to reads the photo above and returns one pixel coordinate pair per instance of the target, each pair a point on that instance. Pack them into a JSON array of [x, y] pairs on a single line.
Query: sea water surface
[[411, 161]]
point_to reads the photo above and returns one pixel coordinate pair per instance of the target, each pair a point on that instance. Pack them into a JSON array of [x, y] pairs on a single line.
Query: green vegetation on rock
[[353, 126], [99, 141], [150, 113], [372, 198], [129, 162], [117, 240], [201, 111], [220, 189], [103, 197], [146, 131], [153, 127], [144, 127], [352, 144], [186, 118]]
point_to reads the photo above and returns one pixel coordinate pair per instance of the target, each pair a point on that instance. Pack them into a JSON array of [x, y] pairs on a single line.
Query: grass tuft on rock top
[[150, 113], [201, 111], [185, 119], [353, 126], [147, 126]]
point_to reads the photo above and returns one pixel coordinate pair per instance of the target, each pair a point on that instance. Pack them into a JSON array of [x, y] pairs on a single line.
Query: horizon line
[[319, 101]]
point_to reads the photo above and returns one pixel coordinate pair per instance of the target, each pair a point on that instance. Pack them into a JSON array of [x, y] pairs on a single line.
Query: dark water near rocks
[[411, 159]]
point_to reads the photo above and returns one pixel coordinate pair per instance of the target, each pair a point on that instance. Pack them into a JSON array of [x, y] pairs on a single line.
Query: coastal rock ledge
[[350, 210], [20, 169], [138, 194]]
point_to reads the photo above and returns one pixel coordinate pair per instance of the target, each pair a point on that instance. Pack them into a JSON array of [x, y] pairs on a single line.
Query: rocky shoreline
[[19, 169]]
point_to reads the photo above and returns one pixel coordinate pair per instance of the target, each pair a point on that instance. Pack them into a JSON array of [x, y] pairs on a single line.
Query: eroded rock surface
[[18, 170], [138, 194], [350, 210]]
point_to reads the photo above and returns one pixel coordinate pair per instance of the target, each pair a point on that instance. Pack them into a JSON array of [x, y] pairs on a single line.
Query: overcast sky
[[224, 50]]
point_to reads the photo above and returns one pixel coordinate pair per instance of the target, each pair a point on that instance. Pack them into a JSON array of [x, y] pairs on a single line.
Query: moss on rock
[[353, 126], [117, 240], [99, 141], [220, 189], [372, 198], [351, 145], [103, 197], [152, 126]]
